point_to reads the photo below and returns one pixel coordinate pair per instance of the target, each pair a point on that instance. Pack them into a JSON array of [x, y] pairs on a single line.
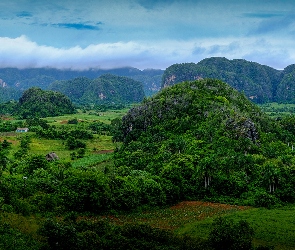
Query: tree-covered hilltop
[[36, 102], [258, 82], [14, 81], [105, 89], [205, 139]]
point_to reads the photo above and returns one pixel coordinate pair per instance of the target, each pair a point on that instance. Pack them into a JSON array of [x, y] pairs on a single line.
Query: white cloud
[[23, 53]]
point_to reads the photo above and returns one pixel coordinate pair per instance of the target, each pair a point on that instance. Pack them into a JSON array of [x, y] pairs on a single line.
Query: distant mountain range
[[14, 81], [258, 82]]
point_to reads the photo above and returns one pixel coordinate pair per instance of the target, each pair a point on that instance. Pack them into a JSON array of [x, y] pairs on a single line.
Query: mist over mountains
[[260, 83]]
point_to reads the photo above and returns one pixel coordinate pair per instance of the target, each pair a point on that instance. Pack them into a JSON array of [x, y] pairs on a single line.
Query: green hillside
[[105, 89], [14, 81], [152, 179], [205, 139], [258, 82], [36, 102]]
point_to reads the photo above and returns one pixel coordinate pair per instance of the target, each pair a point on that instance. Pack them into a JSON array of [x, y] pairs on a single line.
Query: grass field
[[40, 146], [92, 160], [98, 145], [89, 116], [278, 109], [273, 227]]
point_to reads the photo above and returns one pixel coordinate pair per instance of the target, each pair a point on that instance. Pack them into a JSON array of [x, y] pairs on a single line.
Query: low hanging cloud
[[21, 52]]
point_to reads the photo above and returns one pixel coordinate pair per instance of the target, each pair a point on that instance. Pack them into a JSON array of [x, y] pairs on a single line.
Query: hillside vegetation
[[258, 82], [116, 183], [14, 81], [36, 102], [205, 139], [105, 89]]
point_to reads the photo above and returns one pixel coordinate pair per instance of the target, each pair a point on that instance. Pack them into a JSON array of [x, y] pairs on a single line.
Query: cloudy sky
[[144, 33]]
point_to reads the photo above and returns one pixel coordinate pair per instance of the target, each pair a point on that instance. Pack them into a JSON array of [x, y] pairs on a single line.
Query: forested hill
[[204, 139], [260, 83], [14, 81], [36, 102], [105, 89]]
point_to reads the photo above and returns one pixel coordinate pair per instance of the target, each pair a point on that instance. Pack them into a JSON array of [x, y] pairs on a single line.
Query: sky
[[75, 34]]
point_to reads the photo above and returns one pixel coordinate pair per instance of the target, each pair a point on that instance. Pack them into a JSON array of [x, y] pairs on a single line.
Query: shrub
[[228, 235], [265, 199], [73, 143]]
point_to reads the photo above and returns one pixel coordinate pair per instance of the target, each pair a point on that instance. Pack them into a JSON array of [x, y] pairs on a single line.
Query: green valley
[[196, 166]]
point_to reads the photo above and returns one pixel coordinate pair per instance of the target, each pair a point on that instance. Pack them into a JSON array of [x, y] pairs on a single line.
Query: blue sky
[[144, 33]]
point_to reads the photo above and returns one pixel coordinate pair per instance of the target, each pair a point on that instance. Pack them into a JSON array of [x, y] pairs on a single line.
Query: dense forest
[[105, 89], [37, 103], [258, 82], [204, 139], [14, 81]]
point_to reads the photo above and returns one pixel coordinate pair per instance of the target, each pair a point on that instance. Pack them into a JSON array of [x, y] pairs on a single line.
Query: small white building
[[22, 130]]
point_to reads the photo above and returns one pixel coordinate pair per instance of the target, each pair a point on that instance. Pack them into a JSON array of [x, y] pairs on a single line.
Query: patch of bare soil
[[188, 204], [104, 151]]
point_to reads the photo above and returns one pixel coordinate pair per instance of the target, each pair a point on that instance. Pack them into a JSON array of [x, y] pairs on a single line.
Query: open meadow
[[95, 147]]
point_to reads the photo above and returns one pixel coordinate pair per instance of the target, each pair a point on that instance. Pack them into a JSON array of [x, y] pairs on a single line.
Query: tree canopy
[[36, 102], [205, 138], [260, 83]]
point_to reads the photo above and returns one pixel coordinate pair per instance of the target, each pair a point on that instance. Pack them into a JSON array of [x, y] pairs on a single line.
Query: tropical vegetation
[[121, 176]]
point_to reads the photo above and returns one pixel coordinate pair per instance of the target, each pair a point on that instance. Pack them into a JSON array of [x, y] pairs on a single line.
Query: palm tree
[[272, 174]]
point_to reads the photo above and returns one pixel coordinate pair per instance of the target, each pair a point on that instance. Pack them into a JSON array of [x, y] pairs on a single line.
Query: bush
[[73, 121], [227, 235], [34, 162], [59, 235], [73, 143], [265, 199]]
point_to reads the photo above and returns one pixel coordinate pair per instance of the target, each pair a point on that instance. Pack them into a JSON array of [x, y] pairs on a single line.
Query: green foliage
[[9, 107], [24, 147], [227, 235], [79, 154], [73, 121], [59, 236], [260, 83], [53, 132], [92, 160], [8, 126], [100, 127], [72, 143], [107, 89], [206, 140], [37, 103], [46, 78], [36, 122], [12, 239], [85, 191], [34, 162], [100, 235]]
